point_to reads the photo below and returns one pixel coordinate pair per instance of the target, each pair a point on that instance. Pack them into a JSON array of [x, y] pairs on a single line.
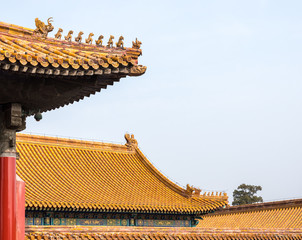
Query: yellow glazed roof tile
[[163, 233], [63, 173], [272, 215]]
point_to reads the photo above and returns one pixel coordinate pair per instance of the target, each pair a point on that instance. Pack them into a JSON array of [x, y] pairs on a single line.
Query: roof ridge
[[161, 176], [194, 194], [67, 142], [23, 32], [15, 29], [259, 207]]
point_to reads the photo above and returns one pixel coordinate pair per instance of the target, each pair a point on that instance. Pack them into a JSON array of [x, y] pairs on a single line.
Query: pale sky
[[220, 103]]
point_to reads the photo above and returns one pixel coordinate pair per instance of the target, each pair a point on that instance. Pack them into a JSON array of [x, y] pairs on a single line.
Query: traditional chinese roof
[[44, 73], [144, 233], [272, 215], [76, 175]]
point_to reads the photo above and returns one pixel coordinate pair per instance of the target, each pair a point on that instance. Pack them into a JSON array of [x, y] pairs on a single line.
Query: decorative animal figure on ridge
[[43, 29], [197, 191], [59, 33], [69, 36], [89, 39], [120, 42], [131, 141], [99, 42], [137, 44], [110, 41], [189, 189], [79, 37]]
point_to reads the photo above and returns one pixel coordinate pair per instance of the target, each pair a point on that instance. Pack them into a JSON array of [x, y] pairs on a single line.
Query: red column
[[20, 209], [8, 196]]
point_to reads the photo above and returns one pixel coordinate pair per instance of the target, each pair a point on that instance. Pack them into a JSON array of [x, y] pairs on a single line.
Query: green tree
[[245, 194]]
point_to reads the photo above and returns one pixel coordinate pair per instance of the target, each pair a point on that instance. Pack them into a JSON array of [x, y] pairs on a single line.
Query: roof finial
[[193, 191], [189, 190], [42, 29], [131, 141]]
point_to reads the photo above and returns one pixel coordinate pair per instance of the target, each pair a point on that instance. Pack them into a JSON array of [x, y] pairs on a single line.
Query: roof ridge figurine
[[89, 39], [99, 42], [59, 33], [69, 36], [131, 141], [79, 37], [110, 41], [42, 29], [137, 44], [120, 42]]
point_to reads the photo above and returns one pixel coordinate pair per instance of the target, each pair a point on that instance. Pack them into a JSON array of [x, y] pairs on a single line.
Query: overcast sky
[[220, 103]]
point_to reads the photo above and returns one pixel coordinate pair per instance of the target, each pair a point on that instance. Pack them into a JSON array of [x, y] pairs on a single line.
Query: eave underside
[[47, 89]]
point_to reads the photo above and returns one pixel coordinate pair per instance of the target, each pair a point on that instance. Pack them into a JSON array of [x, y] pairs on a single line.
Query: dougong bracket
[[13, 116], [11, 120]]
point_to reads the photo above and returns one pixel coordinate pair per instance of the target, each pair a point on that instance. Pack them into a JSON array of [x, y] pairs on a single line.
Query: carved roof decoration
[[66, 174], [26, 52], [150, 233], [273, 215], [19, 45]]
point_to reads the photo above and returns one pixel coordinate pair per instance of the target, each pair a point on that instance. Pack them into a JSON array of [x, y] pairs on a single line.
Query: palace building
[[85, 190], [285, 214], [80, 190], [72, 182]]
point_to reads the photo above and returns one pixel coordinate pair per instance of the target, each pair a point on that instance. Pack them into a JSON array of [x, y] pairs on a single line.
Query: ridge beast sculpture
[[42, 29], [59, 33], [120, 42], [89, 39], [69, 35], [189, 189], [137, 70], [99, 42], [192, 191], [137, 44], [79, 37], [110, 41], [131, 141]]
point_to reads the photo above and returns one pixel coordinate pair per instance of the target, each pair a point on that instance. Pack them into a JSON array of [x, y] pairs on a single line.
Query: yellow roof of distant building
[[77, 175], [271, 215]]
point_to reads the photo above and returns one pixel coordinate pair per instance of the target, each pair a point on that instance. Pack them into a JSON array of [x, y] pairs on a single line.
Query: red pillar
[[20, 209], [8, 196]]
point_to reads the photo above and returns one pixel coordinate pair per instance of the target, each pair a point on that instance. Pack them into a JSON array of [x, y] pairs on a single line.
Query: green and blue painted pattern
[[107, 219], [107, 222]]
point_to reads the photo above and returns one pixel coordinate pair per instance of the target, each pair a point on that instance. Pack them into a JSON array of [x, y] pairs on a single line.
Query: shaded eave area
[[129, 233], [45, 74], [54, 91]]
